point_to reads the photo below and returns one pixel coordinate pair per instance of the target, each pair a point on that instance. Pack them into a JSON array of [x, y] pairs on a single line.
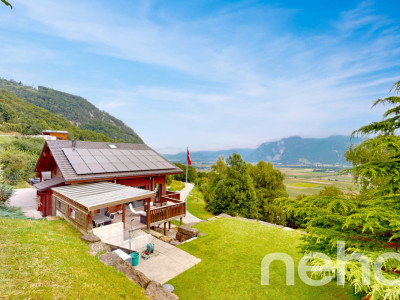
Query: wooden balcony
[[169, 208], [168, 212]]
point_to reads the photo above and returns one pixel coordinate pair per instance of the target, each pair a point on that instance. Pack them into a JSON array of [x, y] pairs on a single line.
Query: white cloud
[[257, 82]]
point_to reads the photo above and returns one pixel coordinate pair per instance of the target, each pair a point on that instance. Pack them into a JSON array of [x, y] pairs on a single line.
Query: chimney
[[74, 144], [115, 139]]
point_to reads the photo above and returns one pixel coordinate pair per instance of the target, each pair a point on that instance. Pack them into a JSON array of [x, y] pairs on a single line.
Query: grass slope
[[197, 206], [231, 253], [176, 186], [47, 260]]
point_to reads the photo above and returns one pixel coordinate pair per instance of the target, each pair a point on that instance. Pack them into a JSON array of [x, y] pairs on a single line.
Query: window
[[72, 213], [59, 205], [112, 146]]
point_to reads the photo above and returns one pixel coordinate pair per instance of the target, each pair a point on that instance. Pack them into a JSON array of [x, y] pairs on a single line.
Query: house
[[59, 135], [92, 184]]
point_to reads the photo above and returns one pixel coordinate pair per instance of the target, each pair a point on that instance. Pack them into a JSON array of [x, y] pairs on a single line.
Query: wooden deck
[[169, 209]]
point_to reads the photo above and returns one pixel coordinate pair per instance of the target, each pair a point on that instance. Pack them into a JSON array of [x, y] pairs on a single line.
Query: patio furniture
[[99, 220], [135, 212]]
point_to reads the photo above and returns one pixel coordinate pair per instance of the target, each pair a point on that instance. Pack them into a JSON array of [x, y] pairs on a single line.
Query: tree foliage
[[268, 183], [232, 190], [19, 158], [7, 3], [368, 222]]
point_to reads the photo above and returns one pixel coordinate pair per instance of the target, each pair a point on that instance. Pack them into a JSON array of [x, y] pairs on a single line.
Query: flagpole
[[187, 164]]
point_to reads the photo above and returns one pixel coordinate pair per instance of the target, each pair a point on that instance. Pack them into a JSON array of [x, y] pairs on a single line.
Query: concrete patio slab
[[168, 262]]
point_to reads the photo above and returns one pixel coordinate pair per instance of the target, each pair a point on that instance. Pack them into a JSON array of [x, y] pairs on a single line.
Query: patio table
[[101, 220]]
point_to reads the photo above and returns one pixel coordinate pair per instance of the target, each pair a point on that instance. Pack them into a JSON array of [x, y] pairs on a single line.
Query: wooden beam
[[89, 225], [165, 228], [169, 224], [181, 220], [123, 214], [148, 216]]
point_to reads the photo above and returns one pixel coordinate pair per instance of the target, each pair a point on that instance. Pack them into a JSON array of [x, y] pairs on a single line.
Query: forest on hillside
[[17, 115], [75, 109]]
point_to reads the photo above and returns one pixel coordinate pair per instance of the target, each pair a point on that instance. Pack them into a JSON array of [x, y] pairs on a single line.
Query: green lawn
[[231, 253], [176, 186], [5, 138], [47, 260], [196, 205]]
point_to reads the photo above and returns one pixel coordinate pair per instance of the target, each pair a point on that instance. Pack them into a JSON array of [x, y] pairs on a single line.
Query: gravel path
[[184, 193]]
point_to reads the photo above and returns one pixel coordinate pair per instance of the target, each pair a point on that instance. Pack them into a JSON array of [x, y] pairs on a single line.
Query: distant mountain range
[[288, 151], [77, 110]]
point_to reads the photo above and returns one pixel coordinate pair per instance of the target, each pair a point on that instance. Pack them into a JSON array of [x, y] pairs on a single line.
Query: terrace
[[86, 207]]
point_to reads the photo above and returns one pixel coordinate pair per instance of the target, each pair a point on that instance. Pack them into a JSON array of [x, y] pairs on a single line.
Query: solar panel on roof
[[109, 167], [121, 167], [101, 159], [83, 152], [95, 168], [94, 161], [132, 166], [151, 165], [95, 152]]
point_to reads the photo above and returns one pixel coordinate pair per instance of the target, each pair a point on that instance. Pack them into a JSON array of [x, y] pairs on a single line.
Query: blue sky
[[211, 74]]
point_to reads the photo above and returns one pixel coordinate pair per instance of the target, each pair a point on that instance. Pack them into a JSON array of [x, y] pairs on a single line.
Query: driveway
[[189, 218], [26, 199]]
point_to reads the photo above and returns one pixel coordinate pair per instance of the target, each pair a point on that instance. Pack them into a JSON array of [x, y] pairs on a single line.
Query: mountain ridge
[[292, 150], [79, 111]]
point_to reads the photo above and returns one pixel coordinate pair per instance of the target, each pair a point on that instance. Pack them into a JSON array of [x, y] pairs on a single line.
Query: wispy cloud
[[242, 76]]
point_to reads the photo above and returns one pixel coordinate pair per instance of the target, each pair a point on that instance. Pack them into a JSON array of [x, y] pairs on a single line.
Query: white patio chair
[[136, 212]]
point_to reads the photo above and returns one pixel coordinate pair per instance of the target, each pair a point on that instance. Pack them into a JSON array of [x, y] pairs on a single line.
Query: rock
[[202, 234], [132, 274], [174, 242], [166, 239], [301, 231], [99, 248], [156, 234], [111, 259], [155, 291], [225, 216], [91, 238], [182, 237], [187, 230], [52, 218]]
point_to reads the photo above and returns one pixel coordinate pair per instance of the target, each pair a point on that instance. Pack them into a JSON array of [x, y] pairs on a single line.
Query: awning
[[45, 185], [99, 195]]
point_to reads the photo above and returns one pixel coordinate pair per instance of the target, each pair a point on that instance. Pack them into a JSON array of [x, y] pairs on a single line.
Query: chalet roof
[[45, 185], [59, 149], [99, 195], [54, 131]]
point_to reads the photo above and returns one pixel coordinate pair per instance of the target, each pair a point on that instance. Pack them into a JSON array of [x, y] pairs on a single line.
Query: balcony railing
[[167, 213]]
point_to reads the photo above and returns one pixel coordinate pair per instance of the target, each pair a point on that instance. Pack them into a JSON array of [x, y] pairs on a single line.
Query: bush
[[6, 191]]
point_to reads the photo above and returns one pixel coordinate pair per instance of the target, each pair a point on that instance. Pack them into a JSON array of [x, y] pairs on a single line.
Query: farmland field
[[301, 181]]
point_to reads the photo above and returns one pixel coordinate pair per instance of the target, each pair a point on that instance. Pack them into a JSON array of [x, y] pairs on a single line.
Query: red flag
[[188, 158]]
